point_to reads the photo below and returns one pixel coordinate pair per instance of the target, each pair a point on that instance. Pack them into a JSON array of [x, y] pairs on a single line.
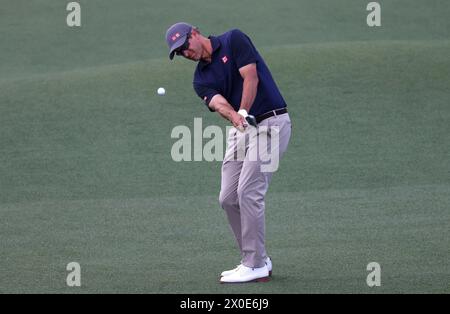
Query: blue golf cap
[[176, 36]]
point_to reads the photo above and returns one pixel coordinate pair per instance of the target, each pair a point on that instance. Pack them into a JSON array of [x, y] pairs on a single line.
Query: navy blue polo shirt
[[230, 52]]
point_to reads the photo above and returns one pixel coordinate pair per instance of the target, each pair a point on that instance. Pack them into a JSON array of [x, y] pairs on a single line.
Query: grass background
[[86, 173]]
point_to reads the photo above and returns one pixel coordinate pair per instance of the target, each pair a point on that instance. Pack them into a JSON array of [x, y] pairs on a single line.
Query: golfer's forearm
[[249, 92], [220, 104]]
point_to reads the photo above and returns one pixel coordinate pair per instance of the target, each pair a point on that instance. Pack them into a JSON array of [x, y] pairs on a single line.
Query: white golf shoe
[[268, 262], [247, 274], [231, 271]]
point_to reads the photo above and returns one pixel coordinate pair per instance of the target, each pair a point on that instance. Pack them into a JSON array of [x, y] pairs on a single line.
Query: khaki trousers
[[250, 160]]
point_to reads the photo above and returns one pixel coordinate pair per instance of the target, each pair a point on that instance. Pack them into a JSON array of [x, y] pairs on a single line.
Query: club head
[[251, 120]]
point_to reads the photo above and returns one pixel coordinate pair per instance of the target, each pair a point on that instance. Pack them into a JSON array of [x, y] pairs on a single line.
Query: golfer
[[232, 79]]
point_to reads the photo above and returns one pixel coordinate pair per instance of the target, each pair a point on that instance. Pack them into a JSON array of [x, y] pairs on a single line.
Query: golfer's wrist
[[243, 113]]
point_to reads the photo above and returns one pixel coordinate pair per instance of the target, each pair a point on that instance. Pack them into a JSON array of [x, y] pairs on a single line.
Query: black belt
[[270, 114]]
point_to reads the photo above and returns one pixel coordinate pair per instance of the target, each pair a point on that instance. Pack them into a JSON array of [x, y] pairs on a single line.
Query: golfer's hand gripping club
[[248, 119]]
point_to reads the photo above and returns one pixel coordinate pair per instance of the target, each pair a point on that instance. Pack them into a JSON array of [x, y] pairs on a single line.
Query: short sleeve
[[243, 51], [205, 93]]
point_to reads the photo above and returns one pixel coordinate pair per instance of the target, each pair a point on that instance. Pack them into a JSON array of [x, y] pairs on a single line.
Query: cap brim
[[176, 45]]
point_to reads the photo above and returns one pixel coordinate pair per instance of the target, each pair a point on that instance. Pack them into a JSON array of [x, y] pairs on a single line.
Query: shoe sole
[[270, 274], [262, 279]]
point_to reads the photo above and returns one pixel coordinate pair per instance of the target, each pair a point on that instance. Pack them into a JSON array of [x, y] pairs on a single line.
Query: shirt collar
[[215, 44]]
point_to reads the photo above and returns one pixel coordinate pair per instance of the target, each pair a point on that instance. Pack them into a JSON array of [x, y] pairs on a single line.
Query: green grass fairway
[[86, 173]]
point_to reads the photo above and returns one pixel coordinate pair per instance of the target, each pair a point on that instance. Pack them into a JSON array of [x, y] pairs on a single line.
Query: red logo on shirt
[[224, 59]]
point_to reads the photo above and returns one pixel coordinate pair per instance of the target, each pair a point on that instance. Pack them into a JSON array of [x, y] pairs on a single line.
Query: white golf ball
[[161, 91]]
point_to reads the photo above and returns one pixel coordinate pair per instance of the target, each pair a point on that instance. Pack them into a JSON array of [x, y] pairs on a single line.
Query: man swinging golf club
[[232, 79]]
